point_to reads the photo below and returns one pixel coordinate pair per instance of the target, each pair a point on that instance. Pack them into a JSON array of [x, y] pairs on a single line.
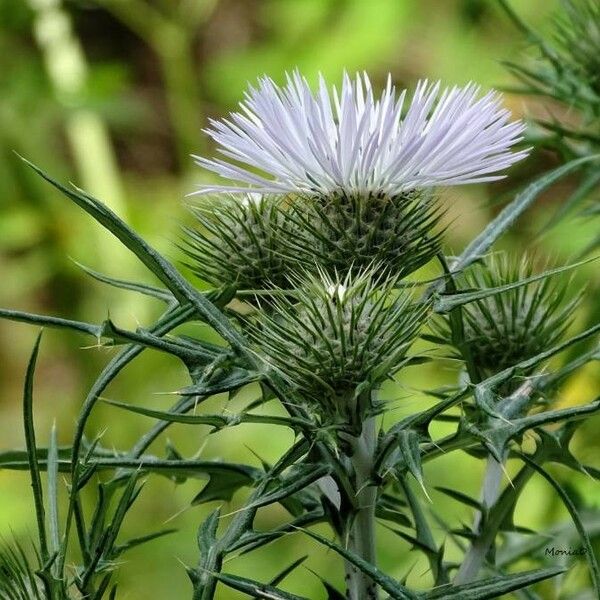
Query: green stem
[[475, 557], [361, 531], [500, 505]]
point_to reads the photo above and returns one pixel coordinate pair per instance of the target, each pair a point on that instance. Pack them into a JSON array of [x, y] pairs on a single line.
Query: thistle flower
[[238, 242], [336, 340], [507, 328], [350, 143]]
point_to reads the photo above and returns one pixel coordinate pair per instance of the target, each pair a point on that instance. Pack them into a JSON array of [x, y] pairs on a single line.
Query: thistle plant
[[329, 201], [563, 66], [566, 64]]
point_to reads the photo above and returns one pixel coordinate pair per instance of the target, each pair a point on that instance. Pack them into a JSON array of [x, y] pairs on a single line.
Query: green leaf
[[447, 302], [54, 527], [423, 535], [408, 444], [217, 421], [497, 437], [494, 587], [484, 241], [226, 381], [332, 593], [138, 541], [460, 497], [250, 541], [199, 352], [32, 319], [289, 569], [222, 486], [518, 400], [389, 585], [587, 544], [161, 268], [144, 464], [255, 588], [207, 533], [483, 391], [142, 288], [587, 185], [300, 479], [32, 461]]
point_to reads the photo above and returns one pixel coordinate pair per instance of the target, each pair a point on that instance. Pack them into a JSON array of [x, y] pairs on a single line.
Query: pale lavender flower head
[[350, 142]]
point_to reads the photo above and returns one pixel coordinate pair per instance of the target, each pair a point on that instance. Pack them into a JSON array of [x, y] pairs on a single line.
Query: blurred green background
[[112, 95]]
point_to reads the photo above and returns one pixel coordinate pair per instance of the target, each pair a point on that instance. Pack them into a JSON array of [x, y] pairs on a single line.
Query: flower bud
[[335, 341], [238, 241], [507, 328]]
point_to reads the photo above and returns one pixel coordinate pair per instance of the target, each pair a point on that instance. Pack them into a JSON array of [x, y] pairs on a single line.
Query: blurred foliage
[[154, 71]]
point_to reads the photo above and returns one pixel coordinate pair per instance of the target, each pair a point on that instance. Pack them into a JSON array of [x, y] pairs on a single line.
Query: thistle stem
[[490, 492], [361, 530]]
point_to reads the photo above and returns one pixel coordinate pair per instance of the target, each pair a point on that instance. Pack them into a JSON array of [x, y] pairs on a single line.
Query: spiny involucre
[[240, 241], [515, 325], [353, 143], [335, 340]]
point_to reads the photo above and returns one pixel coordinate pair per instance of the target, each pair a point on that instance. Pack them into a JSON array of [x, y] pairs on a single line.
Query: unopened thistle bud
[[238, 241], [335, 341], [512, 326]]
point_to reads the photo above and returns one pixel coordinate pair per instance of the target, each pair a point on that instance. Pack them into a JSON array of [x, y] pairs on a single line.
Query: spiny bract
[[336, 340], [239, 241], [398, 234], [507, 328]]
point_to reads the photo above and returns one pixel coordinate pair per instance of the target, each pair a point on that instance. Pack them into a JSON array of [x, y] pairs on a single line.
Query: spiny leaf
[[408, 444], [497, 437], [332, 593], [199, 352], [222, 487], [590, 555], [207, 533], [138, 541], [217, 421], [494, 587], [484, 241], [515, 403], [297, 481], [484, 391], [460, 497], [227, 381], [587, 185], [161, 268], [145, 464], [32, 319], [32, 461], [255, 588], [424, 537], [142, 288], [289, 569], [447, 302], [54, 527], [391, 586]]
